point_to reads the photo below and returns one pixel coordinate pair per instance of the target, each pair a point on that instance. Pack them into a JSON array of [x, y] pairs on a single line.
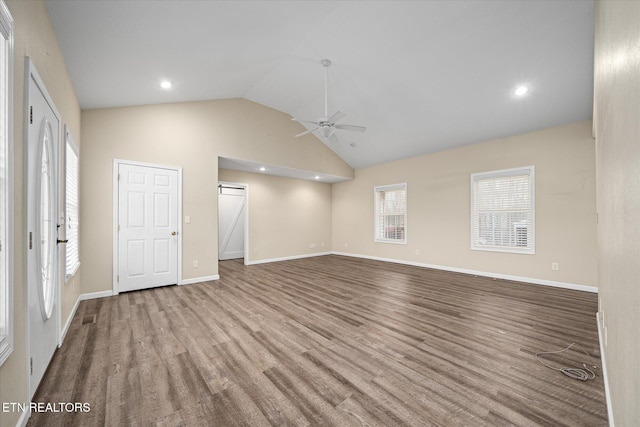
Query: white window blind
[[6, 170], [502, 210], [391, 213], [72, 173]]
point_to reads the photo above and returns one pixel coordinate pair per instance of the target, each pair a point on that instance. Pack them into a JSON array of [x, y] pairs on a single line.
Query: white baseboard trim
[[199, 279], [69, 320], [94, 295], [564, 285], [605, 377], [286, 258]]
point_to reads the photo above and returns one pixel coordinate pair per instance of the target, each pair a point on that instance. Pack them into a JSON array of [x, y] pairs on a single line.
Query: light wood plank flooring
[[329, 340]]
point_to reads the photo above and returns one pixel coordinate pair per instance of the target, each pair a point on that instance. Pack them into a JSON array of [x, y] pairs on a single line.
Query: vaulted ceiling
[[422, 76]]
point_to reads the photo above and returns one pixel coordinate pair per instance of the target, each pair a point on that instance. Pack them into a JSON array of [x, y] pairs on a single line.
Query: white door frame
[[246, 215], [32, 73], [116, 213]]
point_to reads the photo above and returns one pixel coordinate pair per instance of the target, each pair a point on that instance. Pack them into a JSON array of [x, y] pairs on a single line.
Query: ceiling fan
[[327, 125]]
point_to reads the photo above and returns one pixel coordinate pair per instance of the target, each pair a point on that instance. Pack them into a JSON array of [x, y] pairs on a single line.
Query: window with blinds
[[391, 213], [502, 210], [6, 183], [72, 174]]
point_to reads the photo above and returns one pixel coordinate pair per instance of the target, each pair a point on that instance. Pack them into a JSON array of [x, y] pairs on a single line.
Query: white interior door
[[43, 260], [231, 219], [148, 227]]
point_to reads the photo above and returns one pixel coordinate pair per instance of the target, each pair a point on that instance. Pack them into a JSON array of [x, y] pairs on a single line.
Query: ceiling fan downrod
[[326, 64]]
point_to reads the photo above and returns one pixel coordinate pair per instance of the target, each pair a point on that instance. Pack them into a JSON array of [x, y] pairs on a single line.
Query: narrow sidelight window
[[72, 175], [6, 182]]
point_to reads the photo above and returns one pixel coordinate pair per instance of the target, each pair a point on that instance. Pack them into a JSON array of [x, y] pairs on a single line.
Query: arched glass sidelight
[[46, 228]]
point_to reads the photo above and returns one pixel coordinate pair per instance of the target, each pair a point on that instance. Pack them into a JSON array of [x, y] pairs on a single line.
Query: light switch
[[187, 219]]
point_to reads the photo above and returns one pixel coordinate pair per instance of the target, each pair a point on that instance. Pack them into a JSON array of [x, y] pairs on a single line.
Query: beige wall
[[438, 221], [617, 130], [192, 136], [286, 216], [34, 37]]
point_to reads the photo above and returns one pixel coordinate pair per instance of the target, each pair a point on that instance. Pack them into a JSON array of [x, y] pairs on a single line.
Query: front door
[[43, 261], [147, 227]]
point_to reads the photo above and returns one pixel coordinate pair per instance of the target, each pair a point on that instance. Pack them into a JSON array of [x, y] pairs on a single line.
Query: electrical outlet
[[312, 245], [555, 266], [255, 251], [196, 264], [346, 245], [322, 244], [417, 252]]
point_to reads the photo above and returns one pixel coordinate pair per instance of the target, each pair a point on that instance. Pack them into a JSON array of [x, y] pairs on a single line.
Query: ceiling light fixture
[[317, 176], [521, 91], [166, 84], [262, 169]]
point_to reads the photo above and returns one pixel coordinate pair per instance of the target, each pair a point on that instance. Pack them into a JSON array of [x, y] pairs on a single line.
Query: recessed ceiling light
[[521, 91], [166, 84], [262, 169], [317, 176]]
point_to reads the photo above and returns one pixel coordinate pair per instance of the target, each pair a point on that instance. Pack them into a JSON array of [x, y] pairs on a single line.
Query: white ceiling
[[422, 76]]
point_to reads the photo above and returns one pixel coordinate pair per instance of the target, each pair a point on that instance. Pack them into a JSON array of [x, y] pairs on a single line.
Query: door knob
[[173, 233]]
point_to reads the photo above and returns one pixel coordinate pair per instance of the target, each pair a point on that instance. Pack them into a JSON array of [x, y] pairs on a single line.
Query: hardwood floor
[[328, 341]]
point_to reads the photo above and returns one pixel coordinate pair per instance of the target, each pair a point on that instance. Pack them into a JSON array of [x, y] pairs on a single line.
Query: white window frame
[[513, 247], [72, 207], [6, 185], [377, 191]]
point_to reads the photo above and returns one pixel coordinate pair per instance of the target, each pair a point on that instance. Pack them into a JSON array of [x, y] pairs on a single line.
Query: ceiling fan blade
[[304, 121], [327, 125], [336, 116], [306, 132], [351, 127]]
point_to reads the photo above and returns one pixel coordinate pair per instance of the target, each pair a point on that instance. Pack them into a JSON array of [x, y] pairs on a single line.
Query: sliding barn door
[[231, 219]]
